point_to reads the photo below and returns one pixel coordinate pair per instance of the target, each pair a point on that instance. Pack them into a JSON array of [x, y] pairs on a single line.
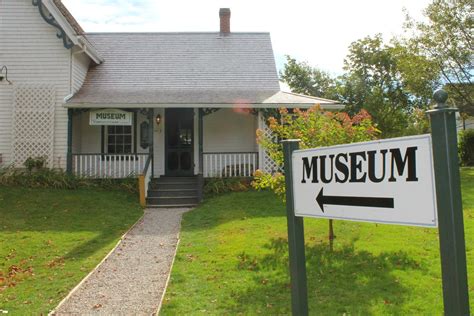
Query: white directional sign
[[387, 181]]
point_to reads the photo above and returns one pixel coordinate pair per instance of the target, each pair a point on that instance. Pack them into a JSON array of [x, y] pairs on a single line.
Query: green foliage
[[388, 81], [315, 128], [445, 38], [304, 79], [35, 163], [215, 186], [58, 179], [392, 81], [466, 147]]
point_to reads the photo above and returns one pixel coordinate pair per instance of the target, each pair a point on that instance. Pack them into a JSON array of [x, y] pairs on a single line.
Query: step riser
[[175, 179], [172, 201], [173, 186], [177, 194], [172, 206]]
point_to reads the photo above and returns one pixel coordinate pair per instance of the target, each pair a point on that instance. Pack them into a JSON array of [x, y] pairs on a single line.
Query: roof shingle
[[144, 66]]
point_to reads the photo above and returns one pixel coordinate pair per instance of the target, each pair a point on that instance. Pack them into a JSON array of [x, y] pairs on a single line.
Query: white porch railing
[[108, 165], [220, 165]]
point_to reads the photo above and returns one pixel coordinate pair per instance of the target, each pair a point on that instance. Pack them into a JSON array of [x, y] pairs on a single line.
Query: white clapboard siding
[[80, 65], [6, 92], [34, 55]]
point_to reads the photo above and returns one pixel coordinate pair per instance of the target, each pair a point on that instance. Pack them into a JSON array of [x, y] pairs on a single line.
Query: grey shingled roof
[[200, 69]]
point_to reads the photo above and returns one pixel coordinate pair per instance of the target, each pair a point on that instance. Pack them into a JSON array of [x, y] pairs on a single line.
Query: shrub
[[35, 163], [315, 128], [58, 179], [214, 186], [466, 147]]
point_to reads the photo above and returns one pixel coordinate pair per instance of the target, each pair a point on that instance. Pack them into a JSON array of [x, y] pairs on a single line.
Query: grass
[[233, 259], [51, 238]]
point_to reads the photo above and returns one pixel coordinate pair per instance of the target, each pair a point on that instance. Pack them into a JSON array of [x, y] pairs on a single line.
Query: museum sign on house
[[172, 106]]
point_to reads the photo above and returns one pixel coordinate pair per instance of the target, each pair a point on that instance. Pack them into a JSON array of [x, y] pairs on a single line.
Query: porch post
[[69, 141], [151, 122], [201, 155], [200, 136], [261, 151]]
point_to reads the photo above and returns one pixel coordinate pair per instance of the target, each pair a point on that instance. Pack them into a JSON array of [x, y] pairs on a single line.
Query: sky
[[316, 31]]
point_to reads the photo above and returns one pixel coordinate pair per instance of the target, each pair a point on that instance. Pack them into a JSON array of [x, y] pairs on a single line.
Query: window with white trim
[[119, 139]]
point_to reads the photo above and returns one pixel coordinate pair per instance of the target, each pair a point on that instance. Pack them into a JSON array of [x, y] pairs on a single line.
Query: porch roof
[[146, 98]]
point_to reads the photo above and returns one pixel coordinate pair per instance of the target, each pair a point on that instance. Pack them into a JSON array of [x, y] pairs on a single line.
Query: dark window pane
[[128, 139], [119, 129], [119, 139], [111, 149], [128, 149], [111, 139], [127, 129]]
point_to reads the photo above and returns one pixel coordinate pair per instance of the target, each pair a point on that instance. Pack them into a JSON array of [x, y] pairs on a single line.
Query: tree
[[315, 128], [386, 80], [446, 39], [389, 81], [304, 79]]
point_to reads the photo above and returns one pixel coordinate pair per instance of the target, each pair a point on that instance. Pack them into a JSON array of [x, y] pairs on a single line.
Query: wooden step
[[173, 186], [172, 200], [172, 206], [175, 180], [160, 192]]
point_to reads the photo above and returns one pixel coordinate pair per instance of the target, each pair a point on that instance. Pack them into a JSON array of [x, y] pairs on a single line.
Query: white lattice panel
[[266, 163], [33, 123]]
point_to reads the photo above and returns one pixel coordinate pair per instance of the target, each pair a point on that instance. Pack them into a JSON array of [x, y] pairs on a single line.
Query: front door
[[179, 142]]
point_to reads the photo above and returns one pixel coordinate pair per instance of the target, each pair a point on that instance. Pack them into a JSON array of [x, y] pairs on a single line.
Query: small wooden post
[[69, 141], [141, 189]]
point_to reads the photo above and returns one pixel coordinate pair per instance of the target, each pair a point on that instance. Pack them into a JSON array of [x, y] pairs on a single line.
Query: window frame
[[104, 138]]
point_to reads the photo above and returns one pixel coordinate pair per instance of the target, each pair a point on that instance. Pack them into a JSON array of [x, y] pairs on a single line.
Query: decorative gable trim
[[66, 31], [49, 18]]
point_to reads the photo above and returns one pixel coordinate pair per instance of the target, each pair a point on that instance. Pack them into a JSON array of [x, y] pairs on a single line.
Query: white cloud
[[317, 31]]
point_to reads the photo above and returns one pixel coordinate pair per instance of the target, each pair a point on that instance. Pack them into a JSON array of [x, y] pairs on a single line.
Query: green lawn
[[233, 259], [50, 239]]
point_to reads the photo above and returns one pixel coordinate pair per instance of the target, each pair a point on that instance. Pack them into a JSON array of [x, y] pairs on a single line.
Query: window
[[119, 139]]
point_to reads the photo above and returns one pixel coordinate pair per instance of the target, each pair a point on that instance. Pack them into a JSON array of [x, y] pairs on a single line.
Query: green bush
[[214, 186], [35, 163], [58, 179], [466, 147]]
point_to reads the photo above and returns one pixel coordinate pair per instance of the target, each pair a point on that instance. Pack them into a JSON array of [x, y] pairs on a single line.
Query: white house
[[121, 104]]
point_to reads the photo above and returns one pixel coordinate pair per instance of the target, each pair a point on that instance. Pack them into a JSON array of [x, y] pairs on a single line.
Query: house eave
[[325, 106], [76, 39]]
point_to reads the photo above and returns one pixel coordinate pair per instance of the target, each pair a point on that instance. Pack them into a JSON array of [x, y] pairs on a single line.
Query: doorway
[[179, 142]]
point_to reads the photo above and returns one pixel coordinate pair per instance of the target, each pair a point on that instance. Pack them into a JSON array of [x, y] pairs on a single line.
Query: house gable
[[35, 58]]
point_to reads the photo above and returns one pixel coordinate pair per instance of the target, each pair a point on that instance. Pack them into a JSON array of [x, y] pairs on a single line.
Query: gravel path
[[132, 280]]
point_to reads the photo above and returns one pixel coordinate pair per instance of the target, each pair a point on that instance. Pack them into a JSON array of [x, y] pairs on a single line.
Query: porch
[[177, 142], [116, 166]]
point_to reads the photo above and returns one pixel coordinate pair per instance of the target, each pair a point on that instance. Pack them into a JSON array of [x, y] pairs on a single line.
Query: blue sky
[[317, 31]]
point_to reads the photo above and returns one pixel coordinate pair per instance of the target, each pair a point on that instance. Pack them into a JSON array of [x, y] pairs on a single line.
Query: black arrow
[[353, 201]]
